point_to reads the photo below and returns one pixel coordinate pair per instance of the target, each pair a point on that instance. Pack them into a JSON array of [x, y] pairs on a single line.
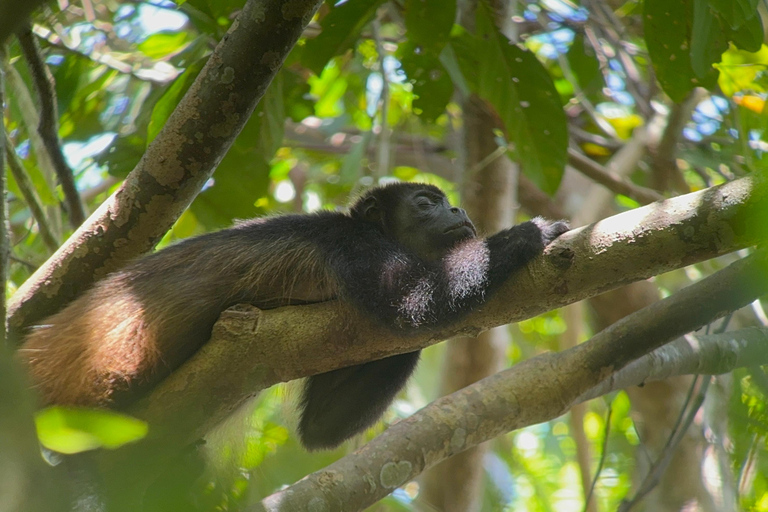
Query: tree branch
[[534, 391], [252, 349], [49, 124], [176, 164], [613, 182]]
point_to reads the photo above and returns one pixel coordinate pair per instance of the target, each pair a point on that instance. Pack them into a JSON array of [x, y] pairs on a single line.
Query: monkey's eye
[[424, 202]]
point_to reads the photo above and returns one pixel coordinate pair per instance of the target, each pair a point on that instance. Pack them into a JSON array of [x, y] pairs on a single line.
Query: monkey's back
[[138, 324]]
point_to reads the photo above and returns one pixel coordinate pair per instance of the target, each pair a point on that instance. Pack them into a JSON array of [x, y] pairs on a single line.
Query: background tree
[[124, 110]]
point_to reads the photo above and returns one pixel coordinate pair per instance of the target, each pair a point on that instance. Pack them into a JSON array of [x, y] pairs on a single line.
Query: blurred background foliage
[[373, 92]]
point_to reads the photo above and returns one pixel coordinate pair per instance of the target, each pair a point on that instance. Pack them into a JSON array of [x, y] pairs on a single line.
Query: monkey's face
[[426, 223]]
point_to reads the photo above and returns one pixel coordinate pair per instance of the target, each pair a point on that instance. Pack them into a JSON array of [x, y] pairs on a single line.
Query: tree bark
[[176, 164]]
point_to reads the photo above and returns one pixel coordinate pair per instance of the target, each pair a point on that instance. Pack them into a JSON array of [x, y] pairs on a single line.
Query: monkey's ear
[[370, 210]]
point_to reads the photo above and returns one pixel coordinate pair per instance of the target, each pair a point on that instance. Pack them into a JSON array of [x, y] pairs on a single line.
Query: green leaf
[[242, 177], [707, 41], [584, 64], [748, 37], [168, 102], [240, 180], [431, 83], [735, 12], [340, 30], [667, 36], [428, 23], [521, 91], [74, 430], [450, 62], [740, 70], [162, 44]]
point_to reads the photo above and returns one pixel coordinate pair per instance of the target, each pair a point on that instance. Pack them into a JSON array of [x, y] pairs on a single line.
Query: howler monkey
[[402, 254]]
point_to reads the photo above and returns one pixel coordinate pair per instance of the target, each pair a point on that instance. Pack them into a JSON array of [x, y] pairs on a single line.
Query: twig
[[31, 266], [49, 126], [584, 101], [580, 135], [666, 175], [653, 477], [29, 193], [613, 182], [602, 458], [656, 472], [5, 243]]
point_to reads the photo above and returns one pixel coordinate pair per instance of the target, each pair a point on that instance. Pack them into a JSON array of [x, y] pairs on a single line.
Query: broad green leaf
[[68, 76], [74, 430], [667, 34], [740, 70], [168, 102], [707, 41], [242, 177], [584, 64], [239, 181], [162, 44], [298, 104], [432, 85], [340, 30], [521, 91], [735, 12], [428, 23], [749, 36], [123, 155], [451, 64]]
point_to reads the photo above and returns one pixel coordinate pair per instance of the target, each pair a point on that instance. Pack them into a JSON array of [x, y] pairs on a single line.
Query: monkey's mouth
[[456, 227]]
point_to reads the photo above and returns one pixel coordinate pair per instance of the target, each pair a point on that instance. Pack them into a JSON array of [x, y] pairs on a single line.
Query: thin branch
[[580, 135], [610, 180], [29, 193], [666, 175], [22, 97], [603, 455], [657, 471], [5, 242], [49, 123]]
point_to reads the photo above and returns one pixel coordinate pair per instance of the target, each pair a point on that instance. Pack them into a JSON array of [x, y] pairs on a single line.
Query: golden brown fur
[[137, 325]]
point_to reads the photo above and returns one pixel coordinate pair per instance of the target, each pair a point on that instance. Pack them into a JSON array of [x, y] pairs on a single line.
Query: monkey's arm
[[406, 293]]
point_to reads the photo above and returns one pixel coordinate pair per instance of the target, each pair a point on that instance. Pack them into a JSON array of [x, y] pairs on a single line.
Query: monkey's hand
[[550, 229]]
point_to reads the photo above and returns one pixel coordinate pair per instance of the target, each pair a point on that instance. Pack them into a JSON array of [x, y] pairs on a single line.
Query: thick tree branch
[[534, 391], [176, 164], [251, 349], [692, 354], [49, 124]]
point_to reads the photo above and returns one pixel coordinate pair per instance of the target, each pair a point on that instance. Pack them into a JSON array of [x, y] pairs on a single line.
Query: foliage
[[402, 69]]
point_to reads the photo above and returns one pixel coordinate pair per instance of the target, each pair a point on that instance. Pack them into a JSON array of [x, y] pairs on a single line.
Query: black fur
[[404, 291], [402, 255]]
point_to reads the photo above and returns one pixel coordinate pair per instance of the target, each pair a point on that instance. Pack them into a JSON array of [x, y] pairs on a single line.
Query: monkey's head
[[417, 215]]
